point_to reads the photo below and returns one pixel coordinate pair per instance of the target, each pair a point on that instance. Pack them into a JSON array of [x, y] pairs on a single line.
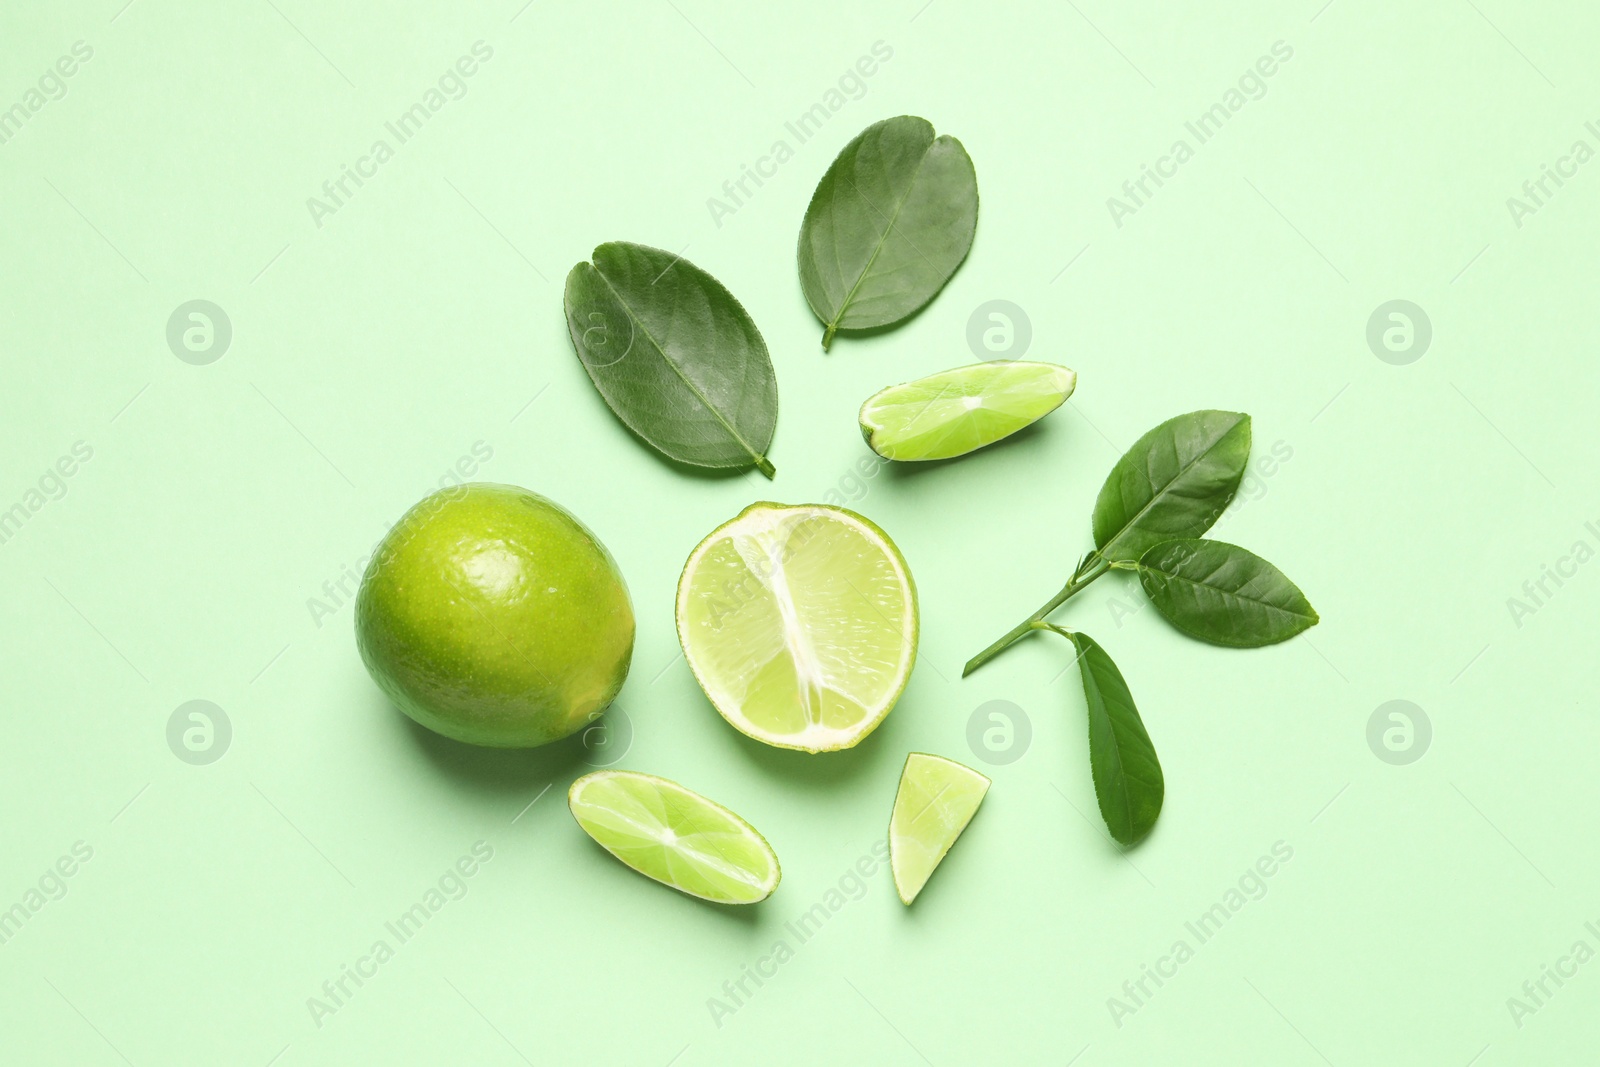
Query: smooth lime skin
[[491, 615]]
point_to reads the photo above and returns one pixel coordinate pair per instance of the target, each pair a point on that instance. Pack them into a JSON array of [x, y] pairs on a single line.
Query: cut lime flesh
[[675, 836], [958, 411], [800, 623], [937, 799]]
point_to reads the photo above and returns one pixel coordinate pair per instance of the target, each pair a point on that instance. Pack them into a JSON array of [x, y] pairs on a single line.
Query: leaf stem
[[1091, 568], [764, 465], [827, 336]]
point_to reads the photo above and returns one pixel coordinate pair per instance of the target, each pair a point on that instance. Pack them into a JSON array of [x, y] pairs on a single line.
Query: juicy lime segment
[[937, 798], [675, 836], [800, 623], [961, 410]]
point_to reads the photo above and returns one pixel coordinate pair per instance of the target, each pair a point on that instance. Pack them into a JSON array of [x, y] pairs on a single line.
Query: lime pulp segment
[[937, 799], [675, 836], [800, 623], [961, 410]]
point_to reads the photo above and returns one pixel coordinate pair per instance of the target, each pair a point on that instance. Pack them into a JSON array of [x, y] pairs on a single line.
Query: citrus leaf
[[1174, 482], [890, 221], [1127, 776], [1223, 594], [674, 355]]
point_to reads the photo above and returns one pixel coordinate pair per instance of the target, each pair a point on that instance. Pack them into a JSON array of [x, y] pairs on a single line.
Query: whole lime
[[491, 615]]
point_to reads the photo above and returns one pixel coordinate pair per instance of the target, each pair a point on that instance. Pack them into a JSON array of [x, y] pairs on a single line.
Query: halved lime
[[937, 799], [958, 411], [800, 623], [675, 836]]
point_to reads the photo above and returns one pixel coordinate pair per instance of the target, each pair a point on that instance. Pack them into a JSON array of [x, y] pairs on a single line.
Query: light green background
[[369, 354]]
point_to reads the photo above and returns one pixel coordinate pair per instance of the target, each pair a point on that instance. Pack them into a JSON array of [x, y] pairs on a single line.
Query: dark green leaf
[[674, 355], [889, 223], [1223, 593], [1127, 775], [1174, 482]]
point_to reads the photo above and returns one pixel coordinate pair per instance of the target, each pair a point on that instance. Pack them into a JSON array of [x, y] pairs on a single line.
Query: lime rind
[[963, 409], [675, 836], [936, 800], [491, 615], [800, 624]]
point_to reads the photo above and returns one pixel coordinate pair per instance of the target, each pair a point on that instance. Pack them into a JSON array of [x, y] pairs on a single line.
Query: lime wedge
[[800, 623], [675, 836], [958, 411], [937, 799]]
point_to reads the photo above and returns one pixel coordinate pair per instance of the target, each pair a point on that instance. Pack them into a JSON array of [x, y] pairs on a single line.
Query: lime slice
[[675, 836], [800, 623], [937, 799], [958, 411]]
